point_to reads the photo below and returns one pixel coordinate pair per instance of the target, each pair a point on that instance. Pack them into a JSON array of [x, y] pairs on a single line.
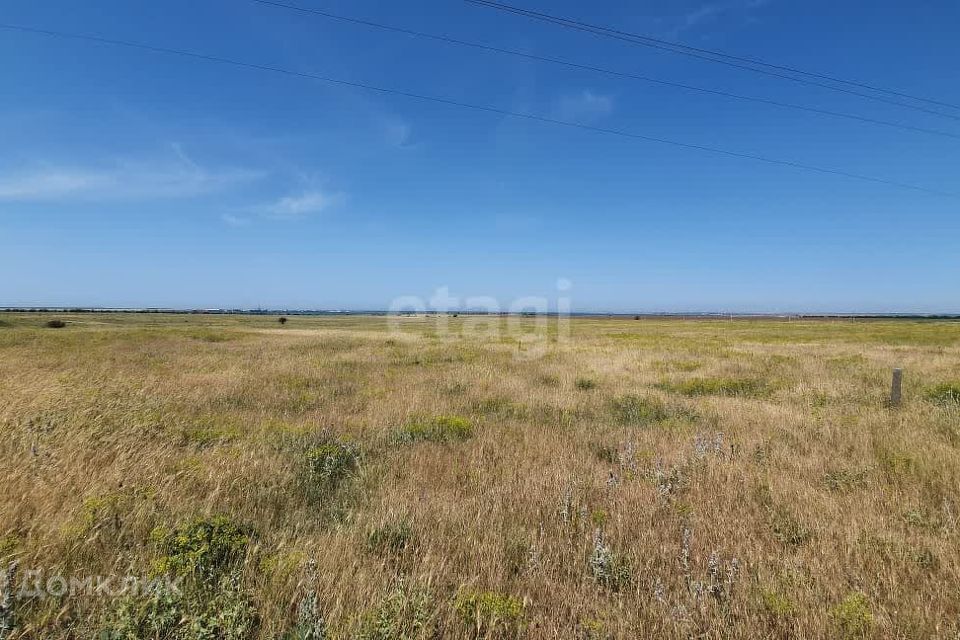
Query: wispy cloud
[[234, 221], [181, 178], [303, 204], [398, 133], [711, 12], [585, 106]]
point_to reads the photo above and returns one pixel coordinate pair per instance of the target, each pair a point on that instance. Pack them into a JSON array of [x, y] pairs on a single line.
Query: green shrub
[[221, 613], [499, 406], [550, 380], [438, 429], [330, 464], [155, 615], [895, 465], [843, 480], [203, 549], [592, 629], [776, 604], [664, 366], [404, 614], [921, 519], [925, 558], [607, 568], [490, 614], [55, 324], [947, 393], [787, 528], [8, 545], [731, 387], [208, 430], [518, 554], [605, 453], [210, 335], [229, 615], [310, 624], [208, 605], [390, 539], [585, 384], [637, 410], [853, 616]]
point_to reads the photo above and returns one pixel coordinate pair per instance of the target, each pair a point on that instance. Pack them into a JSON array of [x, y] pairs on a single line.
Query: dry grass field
[[328, 478]]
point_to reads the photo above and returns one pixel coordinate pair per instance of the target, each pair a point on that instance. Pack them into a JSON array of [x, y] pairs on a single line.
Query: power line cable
[[646, 42], [747, 60], [483, 108], [610, 72]]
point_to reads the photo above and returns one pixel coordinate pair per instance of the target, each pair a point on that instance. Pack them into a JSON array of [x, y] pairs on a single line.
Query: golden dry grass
[[809, 508]]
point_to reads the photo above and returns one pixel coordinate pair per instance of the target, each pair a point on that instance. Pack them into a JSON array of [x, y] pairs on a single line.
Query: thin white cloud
[[122, 181], [398, 133], [585, 106], [713, 11], [293, 207], [234, 221], [52, 183]]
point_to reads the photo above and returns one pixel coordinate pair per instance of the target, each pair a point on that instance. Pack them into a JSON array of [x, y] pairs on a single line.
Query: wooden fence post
[[895, 388]]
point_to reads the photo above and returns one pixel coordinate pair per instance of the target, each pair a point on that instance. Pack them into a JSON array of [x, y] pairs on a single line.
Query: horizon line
[[477, 312]]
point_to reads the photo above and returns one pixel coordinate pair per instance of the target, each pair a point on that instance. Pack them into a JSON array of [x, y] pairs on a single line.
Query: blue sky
[[133, 178]]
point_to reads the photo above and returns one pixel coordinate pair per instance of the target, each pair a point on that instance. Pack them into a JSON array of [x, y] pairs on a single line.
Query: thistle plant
[[534, 559], [7, 600], [948, 518], [669, 481], [685, 553], [659, 592], [567, 508], [331, 463], [310, 623], [607, 569], [705, 445], [627, 460], [722, 577], [601, 558], [701, 447], [534, 555]]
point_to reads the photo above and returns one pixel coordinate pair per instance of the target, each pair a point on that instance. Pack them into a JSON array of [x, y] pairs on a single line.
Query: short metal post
[[895, 388]]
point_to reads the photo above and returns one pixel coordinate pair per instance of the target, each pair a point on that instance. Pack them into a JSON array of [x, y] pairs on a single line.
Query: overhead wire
[[186, 54], [718, 58], [610, 72]]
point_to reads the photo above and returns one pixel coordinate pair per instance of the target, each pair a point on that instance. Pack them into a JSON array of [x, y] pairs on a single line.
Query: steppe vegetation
[[328, 478]]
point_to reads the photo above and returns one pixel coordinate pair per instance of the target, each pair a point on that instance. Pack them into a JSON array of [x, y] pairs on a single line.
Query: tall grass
[[336, 480]]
